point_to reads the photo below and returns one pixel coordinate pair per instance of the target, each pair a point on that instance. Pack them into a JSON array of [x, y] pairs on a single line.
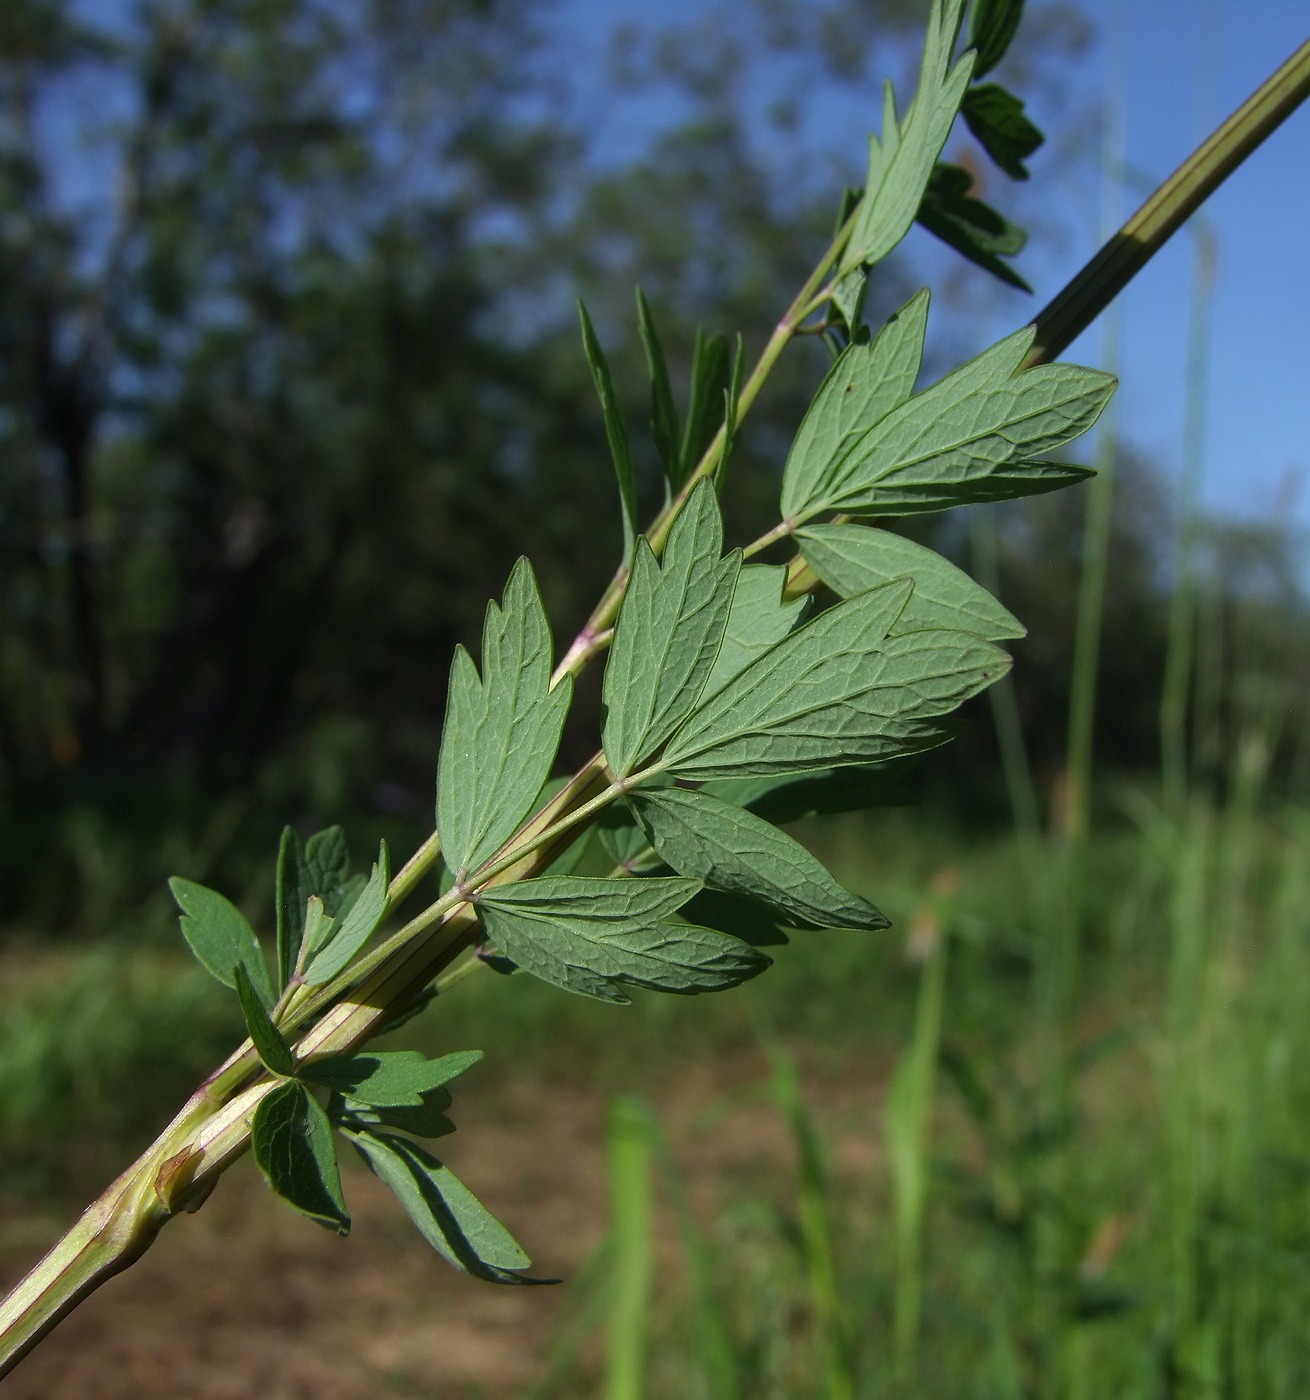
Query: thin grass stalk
[[909, 1142], [816, 1232], [1181, 647], [718, 1366], [628, 1152]]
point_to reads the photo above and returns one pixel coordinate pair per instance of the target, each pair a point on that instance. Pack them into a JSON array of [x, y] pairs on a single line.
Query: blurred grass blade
[[816, 1234], [628, 1153], [909, 1120], [717, 1361]]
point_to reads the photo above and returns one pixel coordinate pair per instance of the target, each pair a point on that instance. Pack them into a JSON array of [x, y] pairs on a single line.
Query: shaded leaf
[[291, 1138], [851, 559], [757, 619], [973, 228], [292, 894], [220, 936], [452, 1220], [624, 840], [996, 117], [743, 918], [663, 412], [839, 690], [868, 382], [786, 797], [901, 163], [327, 865], [502, 729], [669, 631], [428, 1119], [268, 1041], [730, 849], [387, 1078], [992, 26], [615, 431], [710, 380], [356, 928], [588, 934]]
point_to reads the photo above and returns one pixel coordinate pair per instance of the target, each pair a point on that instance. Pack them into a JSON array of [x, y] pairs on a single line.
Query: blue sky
[[1186, 62]]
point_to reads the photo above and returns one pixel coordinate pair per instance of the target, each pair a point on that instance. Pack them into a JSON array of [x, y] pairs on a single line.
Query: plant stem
[[1165, 212]]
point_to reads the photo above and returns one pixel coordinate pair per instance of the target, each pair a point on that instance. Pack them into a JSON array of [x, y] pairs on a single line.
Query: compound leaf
[[502, 730], [900, 164], [615, 431], [996, 117], [292, 1141], [974, 229], [839, 690], [452, 1220], [704, 837], [982, 421], [587, 934], [867, 383], [669, 631], [220, 936], [268, 1041], [346, 939], [387, 1078], [851, 559]]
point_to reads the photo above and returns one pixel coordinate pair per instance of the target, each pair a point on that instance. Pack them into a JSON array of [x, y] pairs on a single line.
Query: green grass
[[1144, 1232], [1137, 1225]]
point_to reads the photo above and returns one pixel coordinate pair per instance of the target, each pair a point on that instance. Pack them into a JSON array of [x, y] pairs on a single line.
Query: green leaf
[[901, 163], [624, 840], [427, 1120], [996, 117], [318, 928], [851, 559], [663, 411], [586, 935], [868, 382], [758, 618], [734, 914], [669, 631], [452, 1220], [292, 1141], [704, 837], [387, 1078], [982, 421], [292, 875], [327, 864], [731, 402], [502, 730], [710, 378], [355, 929], [786, 797], [264, 1035], [992, 26], [220, 935], [974, 229], [839, 690], [615, 431]]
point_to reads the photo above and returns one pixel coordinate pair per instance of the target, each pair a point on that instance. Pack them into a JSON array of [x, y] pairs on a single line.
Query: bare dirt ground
[[248, 1299]]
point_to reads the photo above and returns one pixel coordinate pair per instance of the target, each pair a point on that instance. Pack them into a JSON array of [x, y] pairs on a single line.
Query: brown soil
[[247, 1299]]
